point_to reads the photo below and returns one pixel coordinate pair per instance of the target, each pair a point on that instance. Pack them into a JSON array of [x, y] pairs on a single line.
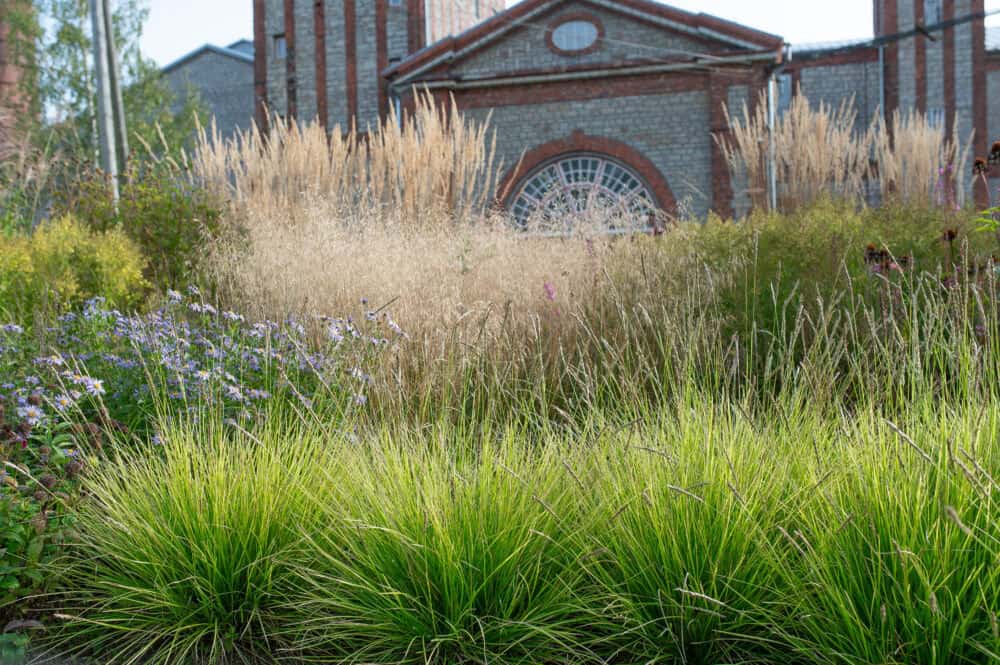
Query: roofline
[[595, 73], [207, 48], [701, 25]]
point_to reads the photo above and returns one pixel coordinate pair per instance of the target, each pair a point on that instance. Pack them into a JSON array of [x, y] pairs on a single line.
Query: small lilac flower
[[550, 291], [12, 328], [31, 414], [360, 400], [193, 290], [63, 402], [174, 296], [32, 380], [94, 387]]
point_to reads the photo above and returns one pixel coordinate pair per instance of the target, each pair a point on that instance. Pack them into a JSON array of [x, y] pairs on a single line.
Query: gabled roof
[[208, 48], [700, 25], [243, 46]]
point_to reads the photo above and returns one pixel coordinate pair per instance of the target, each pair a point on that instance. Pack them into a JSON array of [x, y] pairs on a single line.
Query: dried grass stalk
[[819, 152]]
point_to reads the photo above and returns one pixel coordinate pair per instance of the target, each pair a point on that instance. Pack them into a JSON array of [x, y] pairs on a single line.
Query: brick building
[[11, 101], [223, 80], [616, 101]]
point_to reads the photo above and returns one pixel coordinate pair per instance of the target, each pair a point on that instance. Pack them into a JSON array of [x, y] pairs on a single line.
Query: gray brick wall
[[963, 76], [224, 85], [397, 32], [935, 75], [336, 68], [626, 38], [907, 56], [305, 61], [671, 130], [450, 17], [737, 98], [368, 74], [274, 24], [993, 105], [833, 84]]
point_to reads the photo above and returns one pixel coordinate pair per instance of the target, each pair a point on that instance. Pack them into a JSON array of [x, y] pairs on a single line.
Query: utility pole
[[121, 135], [105, 105]]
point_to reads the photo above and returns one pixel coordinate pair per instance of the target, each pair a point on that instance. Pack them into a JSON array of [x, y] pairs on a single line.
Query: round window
[[575, 35]]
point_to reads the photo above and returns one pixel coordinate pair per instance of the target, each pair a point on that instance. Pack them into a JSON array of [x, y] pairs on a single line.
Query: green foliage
[[39, 471], [63, 263], [197, 565], [431, 556], [824, 250], [55, 38], [711, 536], [170, 220]]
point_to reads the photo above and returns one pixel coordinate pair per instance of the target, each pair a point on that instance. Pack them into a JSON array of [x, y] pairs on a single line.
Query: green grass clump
[[443, 554], [706, 533], [185, 556]]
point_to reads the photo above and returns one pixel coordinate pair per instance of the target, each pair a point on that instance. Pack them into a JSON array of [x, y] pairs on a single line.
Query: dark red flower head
[[995, 153], [950, 235], [981, 167]]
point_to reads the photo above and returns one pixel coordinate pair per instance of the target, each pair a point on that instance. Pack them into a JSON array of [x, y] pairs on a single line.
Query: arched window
[[583, 188]]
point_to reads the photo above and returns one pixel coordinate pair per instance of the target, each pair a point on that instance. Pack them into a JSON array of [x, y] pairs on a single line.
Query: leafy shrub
[[169, 218], [827, 252], [63, 263]]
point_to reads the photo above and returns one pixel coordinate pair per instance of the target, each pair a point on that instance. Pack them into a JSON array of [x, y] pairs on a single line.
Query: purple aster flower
[[13, 329], [32, 414], [94, 387], [174, 296], [63, 402]]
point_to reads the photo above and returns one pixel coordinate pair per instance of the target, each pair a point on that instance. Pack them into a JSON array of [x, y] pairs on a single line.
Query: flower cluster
[[881, 261], [185, 356]]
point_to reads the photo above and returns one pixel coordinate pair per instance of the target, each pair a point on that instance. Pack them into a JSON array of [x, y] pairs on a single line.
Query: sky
[[177, 27]]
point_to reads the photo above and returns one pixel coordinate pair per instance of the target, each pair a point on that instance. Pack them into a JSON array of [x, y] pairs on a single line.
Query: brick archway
[[577, 142]]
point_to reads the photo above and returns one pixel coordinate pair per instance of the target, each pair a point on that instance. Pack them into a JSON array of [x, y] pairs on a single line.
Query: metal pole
[[121, 133], [772, 148], [105, 120]]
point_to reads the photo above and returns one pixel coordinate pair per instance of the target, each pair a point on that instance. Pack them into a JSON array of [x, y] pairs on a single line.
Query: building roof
[[823, 47], [700, 24], [243, 46], [229, 52]]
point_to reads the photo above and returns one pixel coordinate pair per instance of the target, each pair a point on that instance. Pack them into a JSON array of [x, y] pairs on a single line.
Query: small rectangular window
[[932, 12], [280, 47]]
